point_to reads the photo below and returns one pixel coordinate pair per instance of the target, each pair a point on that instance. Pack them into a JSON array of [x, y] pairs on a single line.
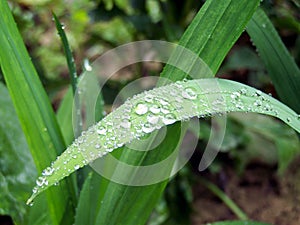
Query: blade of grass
[[210, 35], [67, 51], [33, 108], [207, 97], [281, 66], [220, 194]]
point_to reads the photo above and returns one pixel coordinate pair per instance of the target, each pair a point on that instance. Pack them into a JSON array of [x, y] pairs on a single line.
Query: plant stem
[[228, 202]]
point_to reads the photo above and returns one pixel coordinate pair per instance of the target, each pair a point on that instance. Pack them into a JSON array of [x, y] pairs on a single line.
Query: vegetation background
[[248, 170]]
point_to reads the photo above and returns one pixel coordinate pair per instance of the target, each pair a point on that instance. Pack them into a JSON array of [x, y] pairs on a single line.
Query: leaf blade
[[95, 142], [281, 66]]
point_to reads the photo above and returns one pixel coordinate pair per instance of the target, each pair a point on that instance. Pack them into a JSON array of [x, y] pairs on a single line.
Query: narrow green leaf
[[211, 34], [68, 52], [64, 117], [33, 107], [281, 66], [139, 116]]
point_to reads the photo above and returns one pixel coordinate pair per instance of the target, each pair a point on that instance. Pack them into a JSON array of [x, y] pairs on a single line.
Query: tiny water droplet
[[141, 109], [258, 92], [155, 109], [152, 119], [243, 91], [125, 124], [189, 93], [76, 167], [97, 146], [148, 128], [288, 120], [235, 95], [101, 130], [169, 119], [48, 171], [258, 103]]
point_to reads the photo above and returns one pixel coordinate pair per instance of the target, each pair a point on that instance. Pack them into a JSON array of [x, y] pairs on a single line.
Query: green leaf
[[151, 110], [68, 52], [33, 108], [281, 66], [16, 178], [211, 34], [281, 141]]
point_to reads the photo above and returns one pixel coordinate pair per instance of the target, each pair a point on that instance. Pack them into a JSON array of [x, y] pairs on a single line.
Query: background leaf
[[281, 66], [16, 178], [33, 108]]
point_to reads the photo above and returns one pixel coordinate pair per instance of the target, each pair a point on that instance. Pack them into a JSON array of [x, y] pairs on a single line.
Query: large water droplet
[[141, 109]]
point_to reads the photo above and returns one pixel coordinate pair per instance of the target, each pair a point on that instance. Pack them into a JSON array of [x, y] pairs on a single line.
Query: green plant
[[216, 28]]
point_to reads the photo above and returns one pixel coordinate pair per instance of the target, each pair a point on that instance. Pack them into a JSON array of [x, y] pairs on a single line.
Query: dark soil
[[259, 192]]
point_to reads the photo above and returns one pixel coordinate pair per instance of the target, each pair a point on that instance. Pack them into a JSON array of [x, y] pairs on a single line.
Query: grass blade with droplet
[[281, 66], [137, 117]]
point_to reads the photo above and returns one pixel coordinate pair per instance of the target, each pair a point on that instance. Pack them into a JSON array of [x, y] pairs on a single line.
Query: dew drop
[[101, 131], [97, 146], [235, 95], [165, 110], [148, 128], [243, 91], [125, 124], [152, 119], [155, 109], [189, 93], [141, 109], [76, 167], [258, 103], [258, 92], [288, 120], [169, 119], [34, 190], [48, 171]]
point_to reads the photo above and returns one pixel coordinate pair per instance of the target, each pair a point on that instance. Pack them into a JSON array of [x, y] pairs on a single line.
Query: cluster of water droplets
[[151, 110]]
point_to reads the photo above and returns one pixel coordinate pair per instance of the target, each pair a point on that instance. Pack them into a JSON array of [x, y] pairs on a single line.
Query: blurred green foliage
[[95, 26]]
